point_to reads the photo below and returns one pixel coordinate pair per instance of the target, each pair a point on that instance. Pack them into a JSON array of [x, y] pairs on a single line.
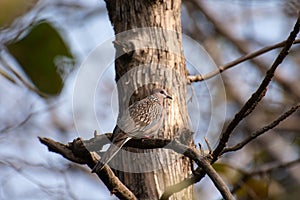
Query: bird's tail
[[110, 153]]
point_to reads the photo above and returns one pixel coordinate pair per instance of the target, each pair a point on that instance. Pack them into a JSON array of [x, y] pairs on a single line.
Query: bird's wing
[[142, 116]]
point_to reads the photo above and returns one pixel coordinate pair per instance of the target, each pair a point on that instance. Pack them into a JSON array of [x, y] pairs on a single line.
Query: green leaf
[[37, 52]]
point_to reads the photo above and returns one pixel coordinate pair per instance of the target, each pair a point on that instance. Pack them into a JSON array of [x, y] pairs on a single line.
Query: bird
[[142, 119]]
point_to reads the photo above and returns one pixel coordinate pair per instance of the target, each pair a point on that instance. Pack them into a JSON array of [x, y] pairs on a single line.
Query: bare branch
[[262, 130], [222, 68], [242, 46], [61, 149], [258, 94], [200, 174], [5, 75], [77, 153], [208, 145], [204, 163]]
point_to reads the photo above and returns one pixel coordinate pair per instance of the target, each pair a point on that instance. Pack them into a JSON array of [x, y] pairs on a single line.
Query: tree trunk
[[149, 54]]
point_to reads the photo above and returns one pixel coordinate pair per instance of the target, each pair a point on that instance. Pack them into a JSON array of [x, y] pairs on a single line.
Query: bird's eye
[[162, 92]]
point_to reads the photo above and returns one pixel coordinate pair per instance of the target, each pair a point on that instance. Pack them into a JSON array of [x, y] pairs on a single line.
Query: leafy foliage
[[37, 52]]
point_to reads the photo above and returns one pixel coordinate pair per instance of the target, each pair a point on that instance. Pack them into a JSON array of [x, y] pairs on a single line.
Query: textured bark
[[146, 58]]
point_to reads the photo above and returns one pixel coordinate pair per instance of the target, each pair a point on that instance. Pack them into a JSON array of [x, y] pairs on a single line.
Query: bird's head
[[161, 94]]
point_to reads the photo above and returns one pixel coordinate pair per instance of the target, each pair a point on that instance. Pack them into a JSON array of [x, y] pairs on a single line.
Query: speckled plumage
[[142, 119]]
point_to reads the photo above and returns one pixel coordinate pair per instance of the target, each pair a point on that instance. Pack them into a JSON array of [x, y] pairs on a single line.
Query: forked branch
[[76, 151], [262, 130], [258, 94]]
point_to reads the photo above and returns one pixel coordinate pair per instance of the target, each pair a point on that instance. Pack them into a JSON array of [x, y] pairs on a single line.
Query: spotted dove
[[143, 119]]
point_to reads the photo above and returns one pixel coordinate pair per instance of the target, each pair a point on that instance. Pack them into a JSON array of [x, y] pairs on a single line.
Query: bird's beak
[[169, 97]]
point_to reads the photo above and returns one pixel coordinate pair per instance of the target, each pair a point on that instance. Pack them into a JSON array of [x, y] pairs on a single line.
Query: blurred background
[[45, 43]]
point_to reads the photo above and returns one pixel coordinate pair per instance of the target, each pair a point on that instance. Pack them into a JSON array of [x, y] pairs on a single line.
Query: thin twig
[[261, 171], [26, 119], [258, 94], [262, 130], [269, 169], [242, 46], [208, 145], [222, 68], [16, 74], [5, 75]]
